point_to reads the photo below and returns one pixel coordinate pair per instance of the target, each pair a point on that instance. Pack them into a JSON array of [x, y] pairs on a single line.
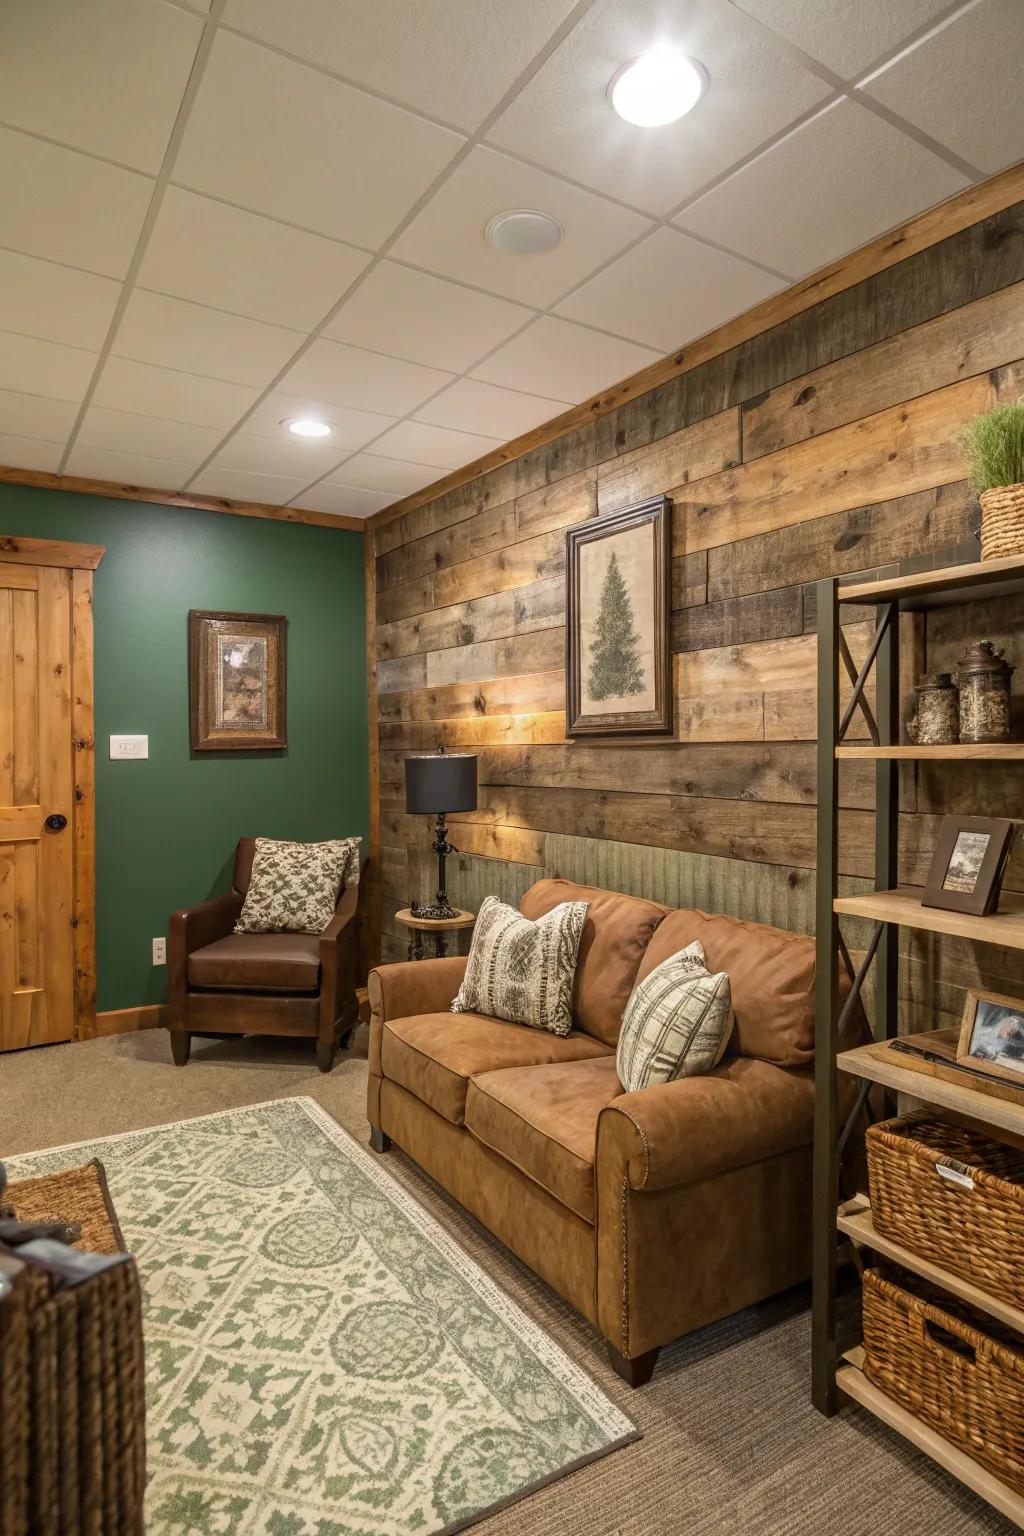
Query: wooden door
[[44, 977]]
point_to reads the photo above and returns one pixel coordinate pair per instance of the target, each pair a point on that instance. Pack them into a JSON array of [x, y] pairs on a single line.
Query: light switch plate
[[132, 748]]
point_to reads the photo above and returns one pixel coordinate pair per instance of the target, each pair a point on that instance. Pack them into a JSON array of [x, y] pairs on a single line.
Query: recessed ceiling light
[[658, 88], [308, 426], [524, 232]]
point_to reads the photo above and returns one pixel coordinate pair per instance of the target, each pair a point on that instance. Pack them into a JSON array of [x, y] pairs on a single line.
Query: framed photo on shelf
[[618, 672], [236, 681], [968, 864], [992, 1036]]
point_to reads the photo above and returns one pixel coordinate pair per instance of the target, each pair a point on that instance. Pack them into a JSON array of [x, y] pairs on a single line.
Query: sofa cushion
[[771, 975], [544, 1121], [434, 1055], [616, 934], [258, 962]]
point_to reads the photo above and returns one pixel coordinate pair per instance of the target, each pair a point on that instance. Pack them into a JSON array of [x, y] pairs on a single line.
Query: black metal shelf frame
[[830, 1136]]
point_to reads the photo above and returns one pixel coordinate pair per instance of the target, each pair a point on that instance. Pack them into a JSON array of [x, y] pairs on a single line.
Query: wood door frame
[[81, 560]]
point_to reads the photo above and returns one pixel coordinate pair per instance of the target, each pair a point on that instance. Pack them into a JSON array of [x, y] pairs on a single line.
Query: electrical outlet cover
[[159, 951]]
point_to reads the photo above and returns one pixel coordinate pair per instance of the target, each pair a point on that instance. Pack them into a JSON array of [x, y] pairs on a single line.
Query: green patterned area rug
[[322, 1358]]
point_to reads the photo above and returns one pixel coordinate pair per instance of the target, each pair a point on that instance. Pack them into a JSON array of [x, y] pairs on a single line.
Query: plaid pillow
[[295, 886], [677, 1022]]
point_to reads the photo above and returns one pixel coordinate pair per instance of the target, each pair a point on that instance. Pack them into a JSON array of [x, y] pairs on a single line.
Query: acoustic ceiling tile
[[243, 485], [42, 298], [962, 85], [349, 376], [447, 236], [30, 453], [125, 385], [151, 436], [106, 76], [456, 62], [397, 477], [668, 290], [91, 215], [410, 314], [175, 334], [471, 406], [553, 357], [36, 416], [285, 140], [421, 444], [222, 256], [564, 120], [834, 183], [38, 367], [352, 429], [294, 457], [342, 500], [128, 468], [845, 37]]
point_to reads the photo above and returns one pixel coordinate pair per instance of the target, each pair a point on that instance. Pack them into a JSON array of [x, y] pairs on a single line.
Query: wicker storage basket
[[954, 1369], [72, 1391], [953, 1196], [1002, 521]]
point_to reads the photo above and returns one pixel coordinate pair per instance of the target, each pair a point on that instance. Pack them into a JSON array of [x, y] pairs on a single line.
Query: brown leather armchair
[[226, 983]]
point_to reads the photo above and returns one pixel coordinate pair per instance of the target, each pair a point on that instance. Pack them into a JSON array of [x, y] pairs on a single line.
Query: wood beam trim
[[43, 480], [76, 557], [938, 223]]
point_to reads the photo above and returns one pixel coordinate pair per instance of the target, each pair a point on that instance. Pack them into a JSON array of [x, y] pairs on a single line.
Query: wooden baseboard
[[124, 1021]]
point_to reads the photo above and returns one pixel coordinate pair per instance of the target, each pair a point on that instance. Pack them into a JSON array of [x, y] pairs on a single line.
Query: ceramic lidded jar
[[984, 678], [935, 719]]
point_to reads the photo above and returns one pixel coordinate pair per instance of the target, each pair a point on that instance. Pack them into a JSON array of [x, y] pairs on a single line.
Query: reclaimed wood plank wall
[[826, 444]]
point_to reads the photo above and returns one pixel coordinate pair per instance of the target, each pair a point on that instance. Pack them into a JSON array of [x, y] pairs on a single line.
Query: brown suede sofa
[[654, 1212]]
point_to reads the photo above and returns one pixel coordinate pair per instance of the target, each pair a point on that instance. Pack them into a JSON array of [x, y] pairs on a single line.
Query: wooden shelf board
[[904, 906], [994, 751], [856, 1221], [950, 584], [850, 1378], [881, 1064]]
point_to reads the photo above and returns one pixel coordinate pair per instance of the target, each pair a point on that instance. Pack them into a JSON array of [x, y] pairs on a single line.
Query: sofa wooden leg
[[378, 1141], [637, 1371], [181, 1045]]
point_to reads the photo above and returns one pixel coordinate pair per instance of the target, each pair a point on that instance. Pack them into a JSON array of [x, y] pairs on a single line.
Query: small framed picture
[[992, 1035], [618, 599], [236, 681], [968, 864]]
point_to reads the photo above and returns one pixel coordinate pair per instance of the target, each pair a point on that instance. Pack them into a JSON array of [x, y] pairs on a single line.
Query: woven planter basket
[[977, 1233], [952, 1368], [1002, 522]]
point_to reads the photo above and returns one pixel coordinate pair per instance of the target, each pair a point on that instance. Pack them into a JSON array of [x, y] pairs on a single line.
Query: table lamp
[[435, 786]]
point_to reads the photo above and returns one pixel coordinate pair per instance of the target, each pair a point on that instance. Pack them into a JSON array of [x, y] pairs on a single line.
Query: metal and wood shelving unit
[[837, 1374]]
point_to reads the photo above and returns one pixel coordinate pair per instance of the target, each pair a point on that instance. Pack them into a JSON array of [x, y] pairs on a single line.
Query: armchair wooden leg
[[325, 1054], [638, 1371], [181, 1045], [378, 1141]]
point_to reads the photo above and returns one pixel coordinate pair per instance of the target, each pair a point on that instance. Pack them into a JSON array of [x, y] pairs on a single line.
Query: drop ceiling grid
[[771, 22]]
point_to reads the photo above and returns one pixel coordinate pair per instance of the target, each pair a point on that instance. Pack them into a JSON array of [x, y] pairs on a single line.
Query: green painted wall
[[166, 828]]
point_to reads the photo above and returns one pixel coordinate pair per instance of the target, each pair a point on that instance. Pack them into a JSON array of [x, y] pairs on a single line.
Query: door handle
[[56, 822]]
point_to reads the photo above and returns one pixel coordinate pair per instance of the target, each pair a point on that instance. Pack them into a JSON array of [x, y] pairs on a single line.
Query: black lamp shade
[[445, 782]]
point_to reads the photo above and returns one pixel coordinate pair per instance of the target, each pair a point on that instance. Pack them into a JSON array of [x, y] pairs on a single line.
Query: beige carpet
[[731, 1444]]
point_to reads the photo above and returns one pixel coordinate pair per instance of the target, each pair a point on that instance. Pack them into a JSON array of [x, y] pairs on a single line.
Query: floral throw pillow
[[295, 886], [520, 970]]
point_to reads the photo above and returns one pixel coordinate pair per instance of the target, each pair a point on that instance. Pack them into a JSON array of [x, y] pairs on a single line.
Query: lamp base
[[435, 911]]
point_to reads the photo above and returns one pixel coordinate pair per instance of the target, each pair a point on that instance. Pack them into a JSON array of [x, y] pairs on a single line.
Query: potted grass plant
[[995, 449]]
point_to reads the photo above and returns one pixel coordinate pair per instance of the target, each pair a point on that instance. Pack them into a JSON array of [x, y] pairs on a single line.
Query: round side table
[[440, 927]]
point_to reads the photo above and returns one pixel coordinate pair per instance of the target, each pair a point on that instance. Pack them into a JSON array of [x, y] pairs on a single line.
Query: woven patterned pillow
[[520, 970], [677, 1022], [294, 886]]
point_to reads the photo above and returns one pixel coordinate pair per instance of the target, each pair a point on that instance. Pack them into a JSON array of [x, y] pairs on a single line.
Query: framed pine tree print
[[618, 600]]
